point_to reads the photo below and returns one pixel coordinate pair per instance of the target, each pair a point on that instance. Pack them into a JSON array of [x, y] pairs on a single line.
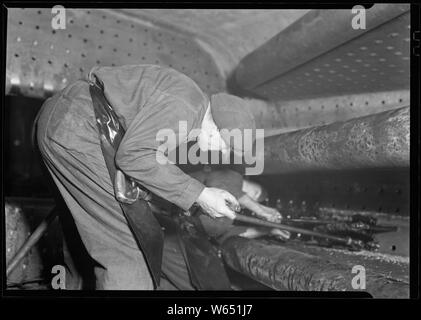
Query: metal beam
[[379, 140]]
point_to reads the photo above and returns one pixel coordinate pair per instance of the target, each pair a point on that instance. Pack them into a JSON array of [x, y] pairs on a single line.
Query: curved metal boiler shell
[[41, 61], [379, 140]]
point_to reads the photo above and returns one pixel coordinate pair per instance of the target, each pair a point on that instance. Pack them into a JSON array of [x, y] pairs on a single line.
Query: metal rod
[[31, 241], [267, 224]]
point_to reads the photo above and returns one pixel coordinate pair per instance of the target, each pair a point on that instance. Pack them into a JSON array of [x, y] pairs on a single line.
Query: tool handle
[[267, 224]]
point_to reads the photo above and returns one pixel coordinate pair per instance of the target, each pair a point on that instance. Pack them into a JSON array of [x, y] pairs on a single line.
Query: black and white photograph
[[209, 149]]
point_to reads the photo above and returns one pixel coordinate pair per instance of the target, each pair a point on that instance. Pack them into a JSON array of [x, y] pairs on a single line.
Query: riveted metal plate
[[41, 60], [378, 60]]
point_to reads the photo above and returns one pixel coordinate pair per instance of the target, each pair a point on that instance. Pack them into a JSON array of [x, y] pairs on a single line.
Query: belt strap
[[142, 222]]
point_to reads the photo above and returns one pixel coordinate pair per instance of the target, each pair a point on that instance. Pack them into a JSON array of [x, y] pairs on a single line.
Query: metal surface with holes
[[41, 60], [381, 190], [227, 34], [282, 116], [316, 33], [378, 60]]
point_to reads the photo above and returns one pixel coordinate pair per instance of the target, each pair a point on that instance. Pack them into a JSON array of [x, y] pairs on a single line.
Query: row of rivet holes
[[64, 80]]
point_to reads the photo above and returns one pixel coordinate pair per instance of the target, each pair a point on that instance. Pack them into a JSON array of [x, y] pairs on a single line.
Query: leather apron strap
[[142, 222]]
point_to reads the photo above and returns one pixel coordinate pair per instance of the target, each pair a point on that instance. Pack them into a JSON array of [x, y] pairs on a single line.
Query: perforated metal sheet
[[376, 61], [382, 190], [314, 112], [283, 116], [40, 59]]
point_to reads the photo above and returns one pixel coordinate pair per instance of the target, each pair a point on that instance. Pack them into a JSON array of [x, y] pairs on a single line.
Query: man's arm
[[138, 151], [140, 157]]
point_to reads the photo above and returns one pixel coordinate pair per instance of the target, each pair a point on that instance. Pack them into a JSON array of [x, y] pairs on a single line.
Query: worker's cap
[[231, 112]]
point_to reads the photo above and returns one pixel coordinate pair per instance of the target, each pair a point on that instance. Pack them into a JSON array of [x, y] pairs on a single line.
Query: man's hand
[[269, 214], [252, 189], [256, 232], [215, 201]]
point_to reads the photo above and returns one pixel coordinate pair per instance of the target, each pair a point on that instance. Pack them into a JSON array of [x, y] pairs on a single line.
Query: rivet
[[18, 39], [35, 43]]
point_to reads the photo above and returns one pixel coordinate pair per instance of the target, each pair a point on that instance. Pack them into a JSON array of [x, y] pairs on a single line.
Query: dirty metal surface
[[379, 140], [41, 61], [22, 216], [296, 267], [17, 231], [376, 61]]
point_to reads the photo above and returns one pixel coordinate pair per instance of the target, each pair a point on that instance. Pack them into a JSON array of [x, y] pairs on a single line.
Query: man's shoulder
[[178, 84]]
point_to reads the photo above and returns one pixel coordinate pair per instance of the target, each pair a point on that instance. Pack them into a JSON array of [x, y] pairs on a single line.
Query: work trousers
[[69, 143]]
